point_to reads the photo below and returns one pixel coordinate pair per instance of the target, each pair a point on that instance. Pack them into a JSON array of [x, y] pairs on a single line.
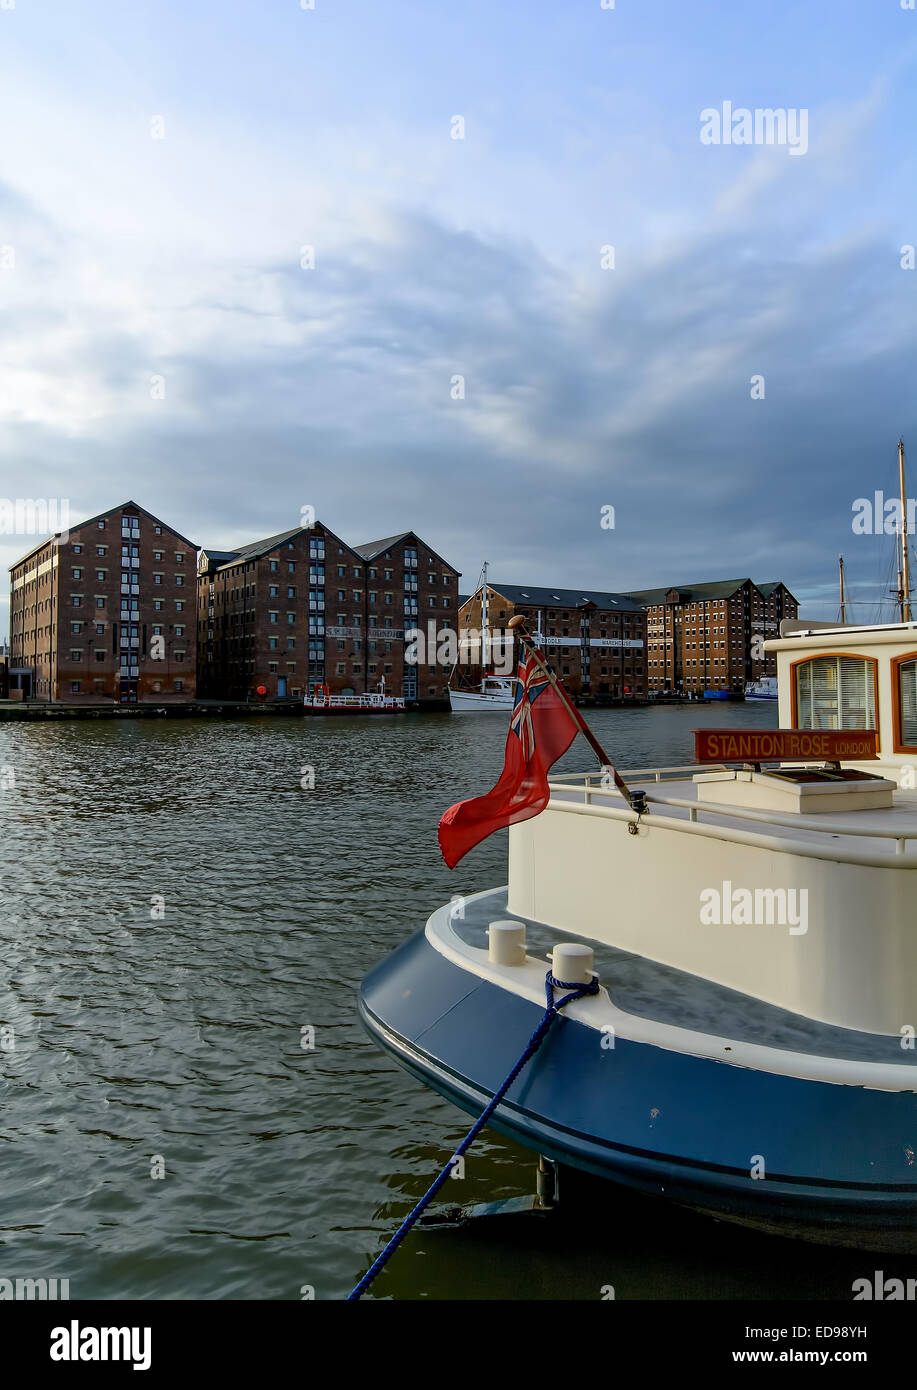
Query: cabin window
[[836, 692], [905, 688]]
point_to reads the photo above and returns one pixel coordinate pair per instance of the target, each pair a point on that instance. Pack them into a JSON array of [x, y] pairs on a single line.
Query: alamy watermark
[[755, 907], [40, 1289], [35, 516], [881, 1290], [882, 516], [82, 1343], [728, 125], [446, 646]]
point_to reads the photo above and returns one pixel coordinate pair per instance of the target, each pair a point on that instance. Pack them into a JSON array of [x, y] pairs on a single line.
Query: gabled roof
[[768, 589], [255, 550], [691, 593], [109, 511], [541, 597], [373, 549]]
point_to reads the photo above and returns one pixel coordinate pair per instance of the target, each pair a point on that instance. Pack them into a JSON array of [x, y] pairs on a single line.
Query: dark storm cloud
[[630, 387]]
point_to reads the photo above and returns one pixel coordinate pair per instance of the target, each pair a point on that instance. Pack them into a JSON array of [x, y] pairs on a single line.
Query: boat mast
[[485, 635], [840, 572], [904, 574]]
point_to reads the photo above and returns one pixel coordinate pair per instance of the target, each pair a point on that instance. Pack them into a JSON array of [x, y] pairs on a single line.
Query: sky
[[247, 266]]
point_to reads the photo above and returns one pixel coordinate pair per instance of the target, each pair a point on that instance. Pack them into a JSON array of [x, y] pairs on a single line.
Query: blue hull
[[838, 1160]]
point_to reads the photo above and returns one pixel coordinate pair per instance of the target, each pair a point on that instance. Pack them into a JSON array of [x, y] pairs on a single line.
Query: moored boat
[[324, 701], [494, 693], [765, 688], [750, 1050]]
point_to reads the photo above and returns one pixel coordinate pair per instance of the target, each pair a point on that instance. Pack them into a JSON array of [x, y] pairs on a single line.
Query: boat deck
[[663, 994], [868, 836]]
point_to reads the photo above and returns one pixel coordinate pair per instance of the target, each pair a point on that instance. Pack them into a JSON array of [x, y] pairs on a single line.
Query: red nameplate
[[782, 745]]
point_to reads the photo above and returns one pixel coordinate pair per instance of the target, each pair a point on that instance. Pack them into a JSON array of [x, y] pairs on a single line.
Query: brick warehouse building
[[703, 636], [304, 608], [107, 614], [596, 641], [403, 572]]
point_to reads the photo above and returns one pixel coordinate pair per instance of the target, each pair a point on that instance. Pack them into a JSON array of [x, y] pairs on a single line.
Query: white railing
[[591, 785], [676, 772], [354, 701]]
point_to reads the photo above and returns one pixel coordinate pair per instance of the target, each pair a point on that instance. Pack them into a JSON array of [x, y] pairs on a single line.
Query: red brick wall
[[364, 618], [76, 663], [613, 670]]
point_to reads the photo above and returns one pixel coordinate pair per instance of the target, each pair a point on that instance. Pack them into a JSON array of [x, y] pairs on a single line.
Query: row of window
[[134, 550], [98, 686], [343, 620], [158, 629], [274, 567], [128, 576], [616, 671], [552, 614], [128, 523], [127, 605], [718, 608], [357, 668], [695, 661], [76, 654]]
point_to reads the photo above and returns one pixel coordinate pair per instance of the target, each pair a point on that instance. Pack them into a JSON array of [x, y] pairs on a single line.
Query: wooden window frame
[[899, 745], [855, 656]]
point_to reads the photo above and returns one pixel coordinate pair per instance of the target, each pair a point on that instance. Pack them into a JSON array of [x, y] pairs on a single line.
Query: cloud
[[277, 386]]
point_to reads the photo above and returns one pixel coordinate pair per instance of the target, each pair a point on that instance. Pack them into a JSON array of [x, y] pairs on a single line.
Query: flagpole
[[517, 624]]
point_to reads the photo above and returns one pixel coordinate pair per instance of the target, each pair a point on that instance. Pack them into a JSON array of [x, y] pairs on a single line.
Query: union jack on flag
[[531, 681], [542, 727]]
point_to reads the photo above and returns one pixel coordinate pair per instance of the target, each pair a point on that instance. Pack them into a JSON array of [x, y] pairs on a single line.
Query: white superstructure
[[733, 836]]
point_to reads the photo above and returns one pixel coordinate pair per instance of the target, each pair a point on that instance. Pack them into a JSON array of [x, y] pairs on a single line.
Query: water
[[173, 1042]]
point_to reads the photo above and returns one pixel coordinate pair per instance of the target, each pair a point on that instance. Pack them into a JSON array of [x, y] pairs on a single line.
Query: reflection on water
[[177, 910]]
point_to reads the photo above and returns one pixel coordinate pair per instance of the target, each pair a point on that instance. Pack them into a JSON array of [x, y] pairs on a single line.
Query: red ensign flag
[[540, 731]]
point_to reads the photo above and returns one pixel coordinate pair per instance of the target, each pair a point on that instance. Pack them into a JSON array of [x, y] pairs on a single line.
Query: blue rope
[[534, 1043]]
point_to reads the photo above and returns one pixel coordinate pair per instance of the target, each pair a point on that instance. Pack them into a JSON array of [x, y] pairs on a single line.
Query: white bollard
[[572, 963], [506, 943]]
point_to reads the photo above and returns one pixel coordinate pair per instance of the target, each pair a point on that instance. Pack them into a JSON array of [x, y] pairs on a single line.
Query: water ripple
[[145, 1037]]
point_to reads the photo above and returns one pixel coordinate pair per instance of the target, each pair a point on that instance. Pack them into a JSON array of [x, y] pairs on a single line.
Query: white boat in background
[[495, 694], [321, 700], [327, 703], [765, 688]]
